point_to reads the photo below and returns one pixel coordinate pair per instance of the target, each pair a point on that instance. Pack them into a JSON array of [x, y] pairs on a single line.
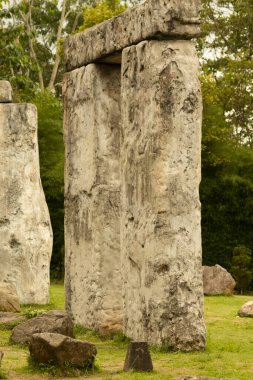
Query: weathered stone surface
[[25, 229], [154, 19], [10, 320], [138, 357], [246, 310], [160, 163], [5, 92], [92, 196], [55, 321], [217, 281], [201, 378], [8, 297], [59, 349]]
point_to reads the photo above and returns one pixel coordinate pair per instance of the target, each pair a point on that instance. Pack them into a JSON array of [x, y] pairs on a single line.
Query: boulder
[[246, 310], [54, 321], [217, 281], [59, 349], [8, 298], [9, 320]]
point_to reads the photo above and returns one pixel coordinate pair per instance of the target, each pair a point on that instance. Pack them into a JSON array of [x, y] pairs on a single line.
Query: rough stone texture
[[92, 196], [217, 281], [59, 349], [25, 229], [5, 92], [246, 310], [55, 321], [138, 357], [201, 378], [160, 226], [9, 320], [8, 297], [154, 19]]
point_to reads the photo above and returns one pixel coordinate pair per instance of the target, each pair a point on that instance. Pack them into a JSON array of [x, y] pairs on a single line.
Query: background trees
[[31, 44]]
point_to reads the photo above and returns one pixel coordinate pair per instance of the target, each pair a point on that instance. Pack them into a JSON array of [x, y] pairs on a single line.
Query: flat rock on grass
[[246, 310], [59, 349], [8, 298], [52, 322], [9, 320]]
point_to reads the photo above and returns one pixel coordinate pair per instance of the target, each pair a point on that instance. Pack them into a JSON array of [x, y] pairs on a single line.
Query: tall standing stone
[[160, 223], [25, 228], [92, 196]]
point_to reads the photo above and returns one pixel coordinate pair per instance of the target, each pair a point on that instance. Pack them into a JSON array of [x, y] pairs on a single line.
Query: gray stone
[[55, 321], [154, 19], [217, 281], [5, 92], [59, 349], [160, 174], [9, 320], [246, 310], [8, 297], [138, 357], [25, 228], [92, 197]]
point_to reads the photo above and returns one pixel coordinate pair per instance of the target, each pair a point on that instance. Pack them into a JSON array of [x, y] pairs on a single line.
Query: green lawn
[[229, 351]]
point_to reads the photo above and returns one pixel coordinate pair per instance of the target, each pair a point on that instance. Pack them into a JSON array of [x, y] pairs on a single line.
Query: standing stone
[[138, 357], [25, 229], [160, 223], [5, 92], [9, 301], [92, 197]]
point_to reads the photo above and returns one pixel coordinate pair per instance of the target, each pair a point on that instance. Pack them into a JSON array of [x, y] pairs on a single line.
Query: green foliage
[[101, 11], [241, 267], [52, 162]]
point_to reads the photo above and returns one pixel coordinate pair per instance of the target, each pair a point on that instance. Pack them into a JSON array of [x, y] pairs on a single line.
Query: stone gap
[[132, 174]]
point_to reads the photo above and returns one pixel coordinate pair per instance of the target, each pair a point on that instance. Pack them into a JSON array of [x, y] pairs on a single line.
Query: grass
[[229, 352]]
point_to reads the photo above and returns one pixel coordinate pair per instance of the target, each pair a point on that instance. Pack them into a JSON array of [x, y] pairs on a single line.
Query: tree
[[241, 267], [227, 158], [101, 11]]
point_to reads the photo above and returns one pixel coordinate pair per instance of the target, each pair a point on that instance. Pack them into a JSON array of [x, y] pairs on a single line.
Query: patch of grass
[[228, 353], [2, 374], [66, 370]]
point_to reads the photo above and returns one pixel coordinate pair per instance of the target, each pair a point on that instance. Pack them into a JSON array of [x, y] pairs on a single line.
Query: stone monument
[[25, 228], [133, 113]]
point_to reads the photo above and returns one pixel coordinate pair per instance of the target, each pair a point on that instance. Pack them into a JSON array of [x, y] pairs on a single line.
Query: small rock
[[8, 298], [217, 281], [138, 357], [5, 92], [52, 322], [9, 320], [59, 349], [246, 310]]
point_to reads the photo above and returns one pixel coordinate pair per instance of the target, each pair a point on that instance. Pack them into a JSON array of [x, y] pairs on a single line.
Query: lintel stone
[[154, 19]]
